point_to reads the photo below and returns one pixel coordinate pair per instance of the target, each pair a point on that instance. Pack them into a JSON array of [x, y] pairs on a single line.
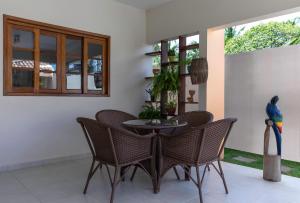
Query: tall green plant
[[166, 80]]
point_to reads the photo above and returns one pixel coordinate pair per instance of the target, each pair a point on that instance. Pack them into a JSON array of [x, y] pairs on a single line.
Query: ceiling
[[144, 4]]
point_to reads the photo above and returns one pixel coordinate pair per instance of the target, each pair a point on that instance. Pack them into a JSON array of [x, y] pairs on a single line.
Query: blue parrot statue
[[275, 116]]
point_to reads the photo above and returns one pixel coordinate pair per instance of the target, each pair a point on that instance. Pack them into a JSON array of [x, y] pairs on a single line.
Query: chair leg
[[176, 173], [122, 173], [89, 177], [199, 184], [154, 176], [222, 176], [203, 175], [187, 176], [133, 173], [114, 184]]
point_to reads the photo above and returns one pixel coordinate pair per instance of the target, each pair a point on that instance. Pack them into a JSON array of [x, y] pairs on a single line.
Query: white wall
[[251, 79], [189, 16], [38, 128]]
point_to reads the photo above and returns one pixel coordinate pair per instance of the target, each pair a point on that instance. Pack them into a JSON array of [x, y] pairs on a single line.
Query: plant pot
[[172, 58], [171, 111], [190, 99], [155, 71]]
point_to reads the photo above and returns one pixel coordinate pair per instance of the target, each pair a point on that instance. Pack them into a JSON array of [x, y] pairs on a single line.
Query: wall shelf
[[189, 47], [170, 63], [155, 53], [149, 78], [163, 54], [186, 102], [147, 101]]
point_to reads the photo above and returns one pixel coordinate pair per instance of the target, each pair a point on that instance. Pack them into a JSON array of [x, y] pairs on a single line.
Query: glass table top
[[155, 123]]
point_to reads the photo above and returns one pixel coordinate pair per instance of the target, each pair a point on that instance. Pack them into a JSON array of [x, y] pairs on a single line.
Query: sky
[[282, 18]]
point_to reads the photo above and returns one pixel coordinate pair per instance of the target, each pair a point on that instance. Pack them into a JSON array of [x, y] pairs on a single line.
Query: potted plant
[[171, 107], [150, 112], [156, 65], [166, 80], [172, 54]]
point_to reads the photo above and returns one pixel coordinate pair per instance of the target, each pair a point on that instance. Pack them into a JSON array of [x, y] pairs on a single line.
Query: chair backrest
[[99, 139], [196, 118], [114, 118], [213, 140]]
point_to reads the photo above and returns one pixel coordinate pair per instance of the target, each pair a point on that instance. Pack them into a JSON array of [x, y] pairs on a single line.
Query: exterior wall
[[39, 128], [251, 79]]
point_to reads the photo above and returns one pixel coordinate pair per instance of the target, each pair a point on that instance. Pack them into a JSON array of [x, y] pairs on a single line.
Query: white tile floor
[[63, 183]]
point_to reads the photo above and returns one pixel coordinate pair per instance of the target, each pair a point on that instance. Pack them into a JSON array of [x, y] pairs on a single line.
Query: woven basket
[[199, 71]]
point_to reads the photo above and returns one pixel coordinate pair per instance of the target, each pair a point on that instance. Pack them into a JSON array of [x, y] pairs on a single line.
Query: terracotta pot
[[171, 111], [155, 71], [190, 99]]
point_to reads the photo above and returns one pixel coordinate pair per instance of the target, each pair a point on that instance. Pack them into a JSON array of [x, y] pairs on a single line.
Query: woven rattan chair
[[194, 119], [118, 148], [114, 117], [199, 146]]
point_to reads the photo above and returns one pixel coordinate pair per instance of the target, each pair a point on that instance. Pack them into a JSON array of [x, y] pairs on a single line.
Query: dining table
[[156, 126]]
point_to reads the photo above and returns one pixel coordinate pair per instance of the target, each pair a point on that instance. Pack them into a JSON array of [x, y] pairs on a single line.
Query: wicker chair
[[194, 119], [114, 117], [118, 148], [198, 146]]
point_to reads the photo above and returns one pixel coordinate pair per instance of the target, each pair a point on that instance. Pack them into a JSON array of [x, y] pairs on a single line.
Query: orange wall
[[216, 73]]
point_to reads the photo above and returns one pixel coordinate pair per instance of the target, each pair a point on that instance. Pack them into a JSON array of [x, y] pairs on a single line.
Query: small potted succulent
[[171, 108], [172, 54]]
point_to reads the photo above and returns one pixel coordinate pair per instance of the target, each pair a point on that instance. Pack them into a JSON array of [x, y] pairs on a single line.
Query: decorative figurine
[[275, 116]]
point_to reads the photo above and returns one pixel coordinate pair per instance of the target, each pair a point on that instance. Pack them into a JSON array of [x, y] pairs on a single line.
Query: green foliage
[[171, 104], [149, 112], [166, 80], [232, 32], [172, 51], [270, 35]]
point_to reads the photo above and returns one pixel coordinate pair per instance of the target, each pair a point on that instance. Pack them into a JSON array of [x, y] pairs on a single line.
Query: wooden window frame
[[10, 22]]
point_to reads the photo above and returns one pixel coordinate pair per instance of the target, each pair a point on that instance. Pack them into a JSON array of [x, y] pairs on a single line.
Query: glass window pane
[[48, 62], [73, 63], [23, 59], [95, 65], [22, 78], [22, 39], [47, 80]]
